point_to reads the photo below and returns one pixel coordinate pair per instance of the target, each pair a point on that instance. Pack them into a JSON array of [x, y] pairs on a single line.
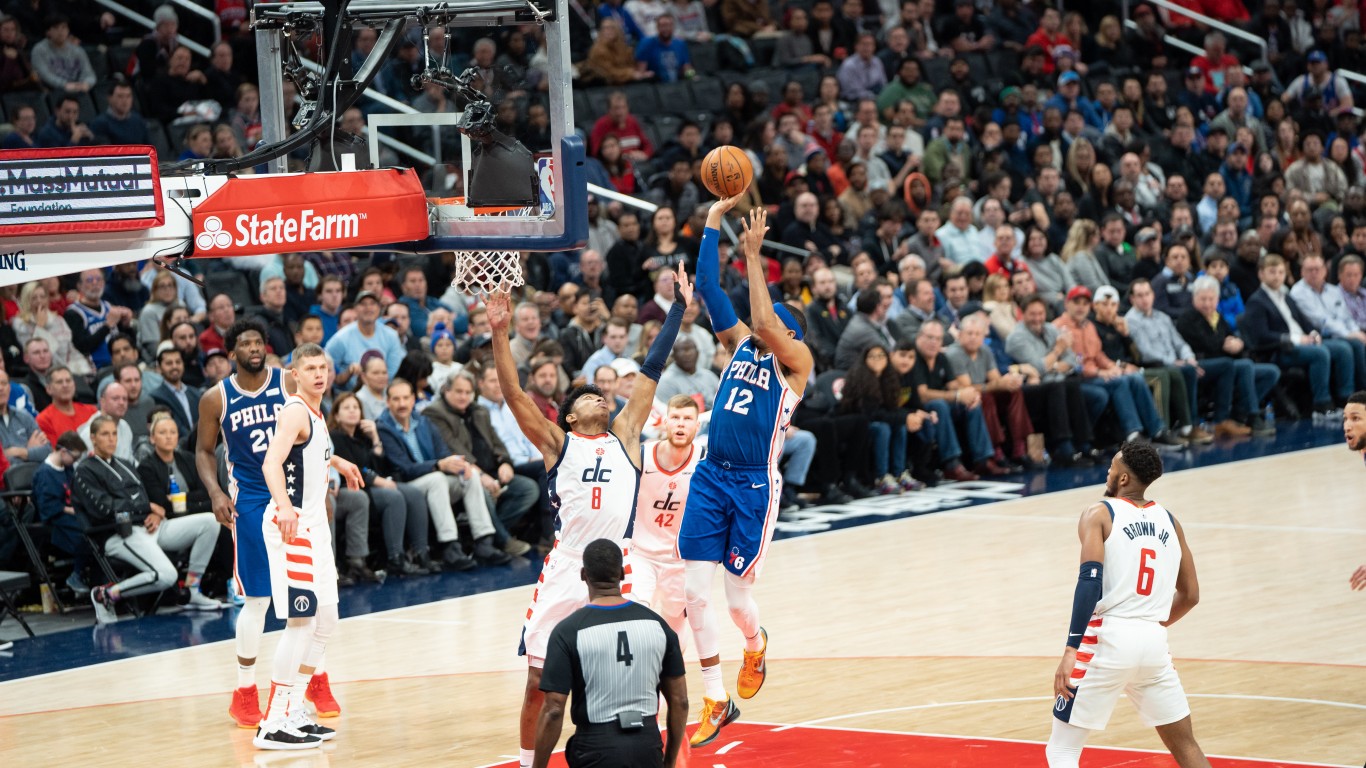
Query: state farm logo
[[253, 230]]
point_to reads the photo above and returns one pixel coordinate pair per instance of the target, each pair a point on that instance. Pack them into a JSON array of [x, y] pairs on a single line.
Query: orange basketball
[[727, 171]]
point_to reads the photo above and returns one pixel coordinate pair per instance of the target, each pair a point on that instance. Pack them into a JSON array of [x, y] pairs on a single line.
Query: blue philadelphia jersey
[[752, 408], [248, 427]]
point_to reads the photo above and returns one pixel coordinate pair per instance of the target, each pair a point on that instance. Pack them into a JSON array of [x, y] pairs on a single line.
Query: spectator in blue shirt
[[348, 344], [331, 291], [52, 500], [1238, 182], [120, 124], [413, 281], [664, 55], [65, 129], [1069, 98]]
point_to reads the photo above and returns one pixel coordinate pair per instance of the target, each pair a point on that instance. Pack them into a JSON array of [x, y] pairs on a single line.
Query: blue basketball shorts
[[730, 514]]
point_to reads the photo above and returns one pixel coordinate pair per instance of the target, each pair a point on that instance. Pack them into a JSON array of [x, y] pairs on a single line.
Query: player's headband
[[785, 315]]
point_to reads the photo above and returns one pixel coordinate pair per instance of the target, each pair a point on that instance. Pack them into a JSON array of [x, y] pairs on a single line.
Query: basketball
[[727, 171]]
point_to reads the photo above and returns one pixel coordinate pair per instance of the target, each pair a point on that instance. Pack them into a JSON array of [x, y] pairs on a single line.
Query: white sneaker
[[281, 736], [300, 721], [104, 607], [201, 602], [5, 645]]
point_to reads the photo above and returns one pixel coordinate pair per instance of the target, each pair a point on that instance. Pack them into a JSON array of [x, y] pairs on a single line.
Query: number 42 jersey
[[659, 508]]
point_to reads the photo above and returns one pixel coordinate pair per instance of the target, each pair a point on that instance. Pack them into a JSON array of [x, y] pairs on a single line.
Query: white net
[[479, 273]]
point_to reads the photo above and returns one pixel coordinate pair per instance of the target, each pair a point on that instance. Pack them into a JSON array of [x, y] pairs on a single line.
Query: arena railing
[[134, 16], [1209, 21]]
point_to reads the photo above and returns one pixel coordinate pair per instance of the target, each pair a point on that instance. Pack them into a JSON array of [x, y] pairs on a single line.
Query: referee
[[616, 656]]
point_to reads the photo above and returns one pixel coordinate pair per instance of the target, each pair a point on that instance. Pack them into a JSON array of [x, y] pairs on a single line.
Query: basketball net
[[479, 273]]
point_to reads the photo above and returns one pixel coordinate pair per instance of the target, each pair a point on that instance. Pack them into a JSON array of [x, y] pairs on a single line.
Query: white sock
[[756, 643], [280, 700], [246, 675], [528, 756], [711, 680]]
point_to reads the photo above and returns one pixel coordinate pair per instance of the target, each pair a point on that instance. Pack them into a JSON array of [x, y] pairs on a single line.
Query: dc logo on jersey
[[596, 474], [301, 604]]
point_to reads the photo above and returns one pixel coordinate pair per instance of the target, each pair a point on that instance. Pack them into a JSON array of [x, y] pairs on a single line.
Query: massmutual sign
[[79, 189]]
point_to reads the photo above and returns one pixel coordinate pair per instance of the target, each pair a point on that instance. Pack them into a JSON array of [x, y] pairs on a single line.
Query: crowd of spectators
[[1018, 235]]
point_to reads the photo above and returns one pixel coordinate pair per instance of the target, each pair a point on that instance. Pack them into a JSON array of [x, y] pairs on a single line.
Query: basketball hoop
[[479, 273]]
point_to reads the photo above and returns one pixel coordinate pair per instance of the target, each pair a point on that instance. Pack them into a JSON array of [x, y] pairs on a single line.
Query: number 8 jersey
[[593, 491], [753, 406]]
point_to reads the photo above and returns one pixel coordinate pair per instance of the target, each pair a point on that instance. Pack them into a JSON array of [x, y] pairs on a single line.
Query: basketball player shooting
[[303, 571], [1137, 578], [592, 472], [735, 494], [1354, 429]]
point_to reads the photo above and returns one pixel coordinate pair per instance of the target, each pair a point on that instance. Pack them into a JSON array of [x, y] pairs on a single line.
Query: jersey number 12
[[739, 401]]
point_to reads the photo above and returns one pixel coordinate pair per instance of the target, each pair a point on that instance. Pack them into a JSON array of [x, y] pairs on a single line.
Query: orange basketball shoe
[[714, 715], [753, 670], [320, 693], [246, 707]]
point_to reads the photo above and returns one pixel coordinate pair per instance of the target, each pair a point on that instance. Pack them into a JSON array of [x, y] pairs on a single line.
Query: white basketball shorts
[[1126, 656], [303, 572]]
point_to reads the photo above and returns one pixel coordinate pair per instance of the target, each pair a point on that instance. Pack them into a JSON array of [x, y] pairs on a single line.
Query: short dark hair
[[389, 390], [243, 325], [1137, 282], [1357, 398], [568, 405], [1032, 299], [602, 562], [1143, 461], [72, 441], [868, 300]]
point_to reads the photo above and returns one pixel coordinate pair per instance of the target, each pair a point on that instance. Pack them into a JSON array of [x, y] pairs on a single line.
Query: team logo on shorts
[[734, 558], [301, 604]]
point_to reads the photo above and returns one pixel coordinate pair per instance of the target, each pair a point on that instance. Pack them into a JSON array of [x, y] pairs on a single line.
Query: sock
[[192, 581], [281, 697], [711, 681], [756, 643], [526, 758], [112, 591], [246, 675]]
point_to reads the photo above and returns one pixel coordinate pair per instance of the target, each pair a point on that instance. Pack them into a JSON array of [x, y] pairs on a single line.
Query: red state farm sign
[[255, 215]]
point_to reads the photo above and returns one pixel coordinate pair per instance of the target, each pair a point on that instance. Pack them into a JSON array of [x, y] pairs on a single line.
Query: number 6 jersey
[[1142, 558], [659, 507], [593, 491]]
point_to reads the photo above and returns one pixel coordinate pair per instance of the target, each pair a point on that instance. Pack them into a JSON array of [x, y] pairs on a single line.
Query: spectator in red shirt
[[794, 101], [222, 314], [1047, 36], [64, 414], [618, 122], [1214, 61]]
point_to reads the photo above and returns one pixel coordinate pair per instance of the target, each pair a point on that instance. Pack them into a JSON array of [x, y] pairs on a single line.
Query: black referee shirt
[[611, 658]]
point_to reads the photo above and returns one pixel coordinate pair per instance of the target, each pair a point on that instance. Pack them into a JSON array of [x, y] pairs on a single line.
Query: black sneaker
[[1262, 428], [1167, 438], [304, 724], [284, 737], [455, 559], [487, 554], [402, 566], [833, 495]]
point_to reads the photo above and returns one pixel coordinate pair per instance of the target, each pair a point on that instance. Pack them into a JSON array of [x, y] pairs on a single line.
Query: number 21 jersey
[[248, 427]]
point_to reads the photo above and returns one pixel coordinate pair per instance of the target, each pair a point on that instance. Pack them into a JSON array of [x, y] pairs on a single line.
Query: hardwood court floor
[[942, 624]]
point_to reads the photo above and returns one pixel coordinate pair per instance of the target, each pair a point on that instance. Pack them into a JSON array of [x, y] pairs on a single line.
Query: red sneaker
[[246, 707], [320, 693]]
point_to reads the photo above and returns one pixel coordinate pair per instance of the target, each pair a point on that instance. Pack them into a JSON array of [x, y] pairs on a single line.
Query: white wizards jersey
[[306, 466], [593, 491], [659, 507], [1142, 558]]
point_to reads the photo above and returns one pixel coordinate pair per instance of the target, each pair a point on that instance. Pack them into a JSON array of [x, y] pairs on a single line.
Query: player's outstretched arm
[[1187, 585], [724, 323], [205, 458], [289, 425], [632, 417], [543, 433], [791, 351]]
